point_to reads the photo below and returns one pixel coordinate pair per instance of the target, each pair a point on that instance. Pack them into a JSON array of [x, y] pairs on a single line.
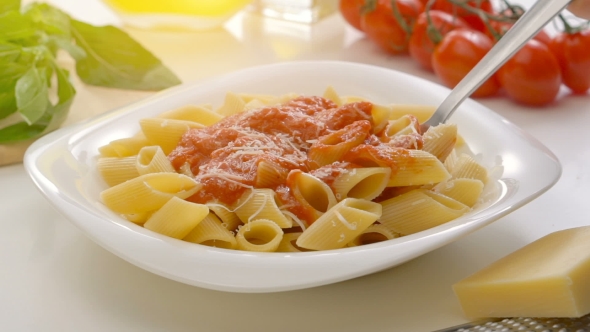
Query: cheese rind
[[547, 278]]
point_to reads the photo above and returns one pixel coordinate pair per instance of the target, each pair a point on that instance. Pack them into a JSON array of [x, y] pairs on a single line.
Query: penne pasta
[[421, 112], [373, 234], [332, 147], [176, 218], [265, 99], [148, 192], [262, 204], [228, 218], [419, 210], [269, 175], [340, 225], [331, 94], [138, 218], [365, 183], [466, 191], [253, 104], [451, 161], [124, 147], [420, 168], [466, 167], [232, 104], [381, 115], [116, 170], [166, 133], [440, 140], [288, 243], [151, 159], [407, 124], [408, 167], [192, 113], [211, 232], [260, 235], [311, 194]]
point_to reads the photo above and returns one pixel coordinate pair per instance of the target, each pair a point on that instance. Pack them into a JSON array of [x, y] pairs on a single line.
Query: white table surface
[[53, 278]]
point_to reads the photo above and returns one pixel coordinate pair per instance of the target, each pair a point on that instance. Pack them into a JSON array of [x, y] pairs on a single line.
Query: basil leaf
[[14, 26], [52, 118], [49, 19], [66, 92], [7, 103], [9, 53], [8, 5], [19, 132], [11, 71], [32, 95], [67, 45], [116, 60]]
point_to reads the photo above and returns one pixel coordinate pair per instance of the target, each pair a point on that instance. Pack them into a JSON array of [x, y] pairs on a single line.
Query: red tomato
[[351, 11], [572, 51], [422, 41], [382, 26], [458, 52], [502, 27], [543, 37], [532, 76], [472, 19]]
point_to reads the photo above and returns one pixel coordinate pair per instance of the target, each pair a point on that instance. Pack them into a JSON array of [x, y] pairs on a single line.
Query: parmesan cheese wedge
[[547, 278]]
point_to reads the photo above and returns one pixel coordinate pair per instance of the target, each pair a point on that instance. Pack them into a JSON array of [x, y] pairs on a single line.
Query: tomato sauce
[[224, 157]]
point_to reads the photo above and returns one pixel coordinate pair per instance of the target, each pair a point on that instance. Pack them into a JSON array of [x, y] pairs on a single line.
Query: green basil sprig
[[36, 93]]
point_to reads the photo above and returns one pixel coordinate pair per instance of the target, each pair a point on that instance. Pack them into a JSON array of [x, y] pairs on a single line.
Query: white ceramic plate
[[62, 164]]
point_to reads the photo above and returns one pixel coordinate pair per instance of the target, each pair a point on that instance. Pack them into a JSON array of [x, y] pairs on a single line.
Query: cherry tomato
[[543, 37], [458, 52], [382, 26], [572, 51], [351, 11], [471, 18], [502, 27], [423, 38], [532, 76]]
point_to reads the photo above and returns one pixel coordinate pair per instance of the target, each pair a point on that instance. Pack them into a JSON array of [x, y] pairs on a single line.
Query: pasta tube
[[166, 132], [148, 192], [124, 147], [262, 204], [288, 243], [340, 225], [466, 191], [440, 140], [176, 218], [364, 182], [197, 114], [151, 159], [373, 234], [211, 232], [116, 170], [418, 210], [259, 235]]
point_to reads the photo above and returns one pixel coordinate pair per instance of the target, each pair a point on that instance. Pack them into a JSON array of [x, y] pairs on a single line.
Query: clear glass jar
[[304, 11]]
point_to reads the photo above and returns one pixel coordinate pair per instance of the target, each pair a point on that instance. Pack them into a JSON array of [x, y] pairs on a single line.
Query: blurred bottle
[[176, 14], [304, 11]]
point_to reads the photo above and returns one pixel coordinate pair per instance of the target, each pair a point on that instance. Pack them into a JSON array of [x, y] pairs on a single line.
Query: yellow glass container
[[187, 14]]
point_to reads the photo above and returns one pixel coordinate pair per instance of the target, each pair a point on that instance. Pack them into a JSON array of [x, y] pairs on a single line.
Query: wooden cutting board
[[13, 153]]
